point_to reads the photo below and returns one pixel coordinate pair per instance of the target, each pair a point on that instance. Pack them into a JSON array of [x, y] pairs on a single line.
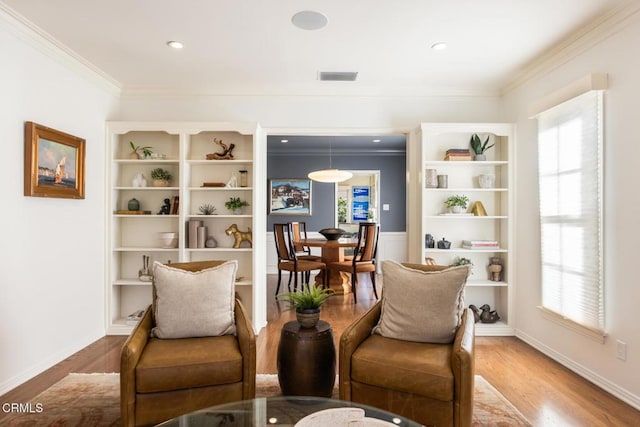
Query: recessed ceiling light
[[375, 140], [284, 141], [309, 20], [175, 44], [439, 46]]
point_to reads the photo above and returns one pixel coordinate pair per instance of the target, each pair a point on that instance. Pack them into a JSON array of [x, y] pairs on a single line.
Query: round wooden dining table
[[332, 251]]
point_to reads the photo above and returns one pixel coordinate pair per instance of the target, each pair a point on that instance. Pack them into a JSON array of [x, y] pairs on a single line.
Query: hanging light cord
[[330, 143]]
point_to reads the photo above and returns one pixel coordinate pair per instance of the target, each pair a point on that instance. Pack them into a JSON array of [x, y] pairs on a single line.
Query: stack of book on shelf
[[134, 318], [480, 244], [460, 154]]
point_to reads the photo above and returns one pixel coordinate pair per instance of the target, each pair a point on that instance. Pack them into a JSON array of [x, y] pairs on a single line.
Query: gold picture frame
[[53, 163]]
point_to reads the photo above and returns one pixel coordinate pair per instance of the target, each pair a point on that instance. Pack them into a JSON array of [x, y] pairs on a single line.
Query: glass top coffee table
[[299, 411]]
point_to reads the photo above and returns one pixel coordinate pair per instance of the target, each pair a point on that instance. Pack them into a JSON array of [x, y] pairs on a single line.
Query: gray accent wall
[[392, 167]]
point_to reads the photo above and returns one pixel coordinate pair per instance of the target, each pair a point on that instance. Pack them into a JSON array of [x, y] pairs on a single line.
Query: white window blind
[[570, 190]]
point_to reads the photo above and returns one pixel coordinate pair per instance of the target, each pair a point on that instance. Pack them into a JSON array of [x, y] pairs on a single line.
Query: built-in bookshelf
[[492, 230], [181, 149]]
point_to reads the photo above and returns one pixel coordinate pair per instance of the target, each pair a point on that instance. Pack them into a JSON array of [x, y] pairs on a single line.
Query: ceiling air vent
[[338, 76]]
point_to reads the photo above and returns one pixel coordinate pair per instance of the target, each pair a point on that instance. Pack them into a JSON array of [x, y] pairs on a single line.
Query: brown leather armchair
[[163, 378], [432, 384]]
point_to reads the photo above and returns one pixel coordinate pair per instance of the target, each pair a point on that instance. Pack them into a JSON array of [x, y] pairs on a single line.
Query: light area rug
[[85, 400]]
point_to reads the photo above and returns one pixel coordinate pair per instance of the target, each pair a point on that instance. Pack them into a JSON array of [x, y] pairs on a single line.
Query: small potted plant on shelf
[[137, 149], [161, 177], [457, 204], [235, 204], [479, 147], [463, 261], [307, 302]]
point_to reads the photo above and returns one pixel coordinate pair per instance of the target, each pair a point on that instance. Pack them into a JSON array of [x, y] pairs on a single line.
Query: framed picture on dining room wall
[[53, 163], [289, 196]]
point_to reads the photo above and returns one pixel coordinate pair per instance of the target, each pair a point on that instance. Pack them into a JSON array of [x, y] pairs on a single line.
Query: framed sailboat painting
[[53, 163]]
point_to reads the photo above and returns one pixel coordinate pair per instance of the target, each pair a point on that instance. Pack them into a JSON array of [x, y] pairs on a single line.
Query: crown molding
[[45, 43], [317, 92], [580, 41]]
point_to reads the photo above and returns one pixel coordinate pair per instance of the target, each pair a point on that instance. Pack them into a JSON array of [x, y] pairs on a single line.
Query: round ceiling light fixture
[[309, 20], [439, 46], [175, 44], [330, 175]]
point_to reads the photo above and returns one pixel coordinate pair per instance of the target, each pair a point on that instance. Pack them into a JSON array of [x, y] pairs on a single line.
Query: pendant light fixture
[[330, 174]]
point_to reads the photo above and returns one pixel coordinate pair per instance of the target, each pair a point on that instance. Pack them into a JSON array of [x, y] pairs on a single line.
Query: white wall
[[51, 250], [330, 112], [617, 56]]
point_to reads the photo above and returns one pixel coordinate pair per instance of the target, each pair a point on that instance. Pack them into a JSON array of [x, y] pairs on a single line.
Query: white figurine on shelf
[[139, 180], [233, 181]]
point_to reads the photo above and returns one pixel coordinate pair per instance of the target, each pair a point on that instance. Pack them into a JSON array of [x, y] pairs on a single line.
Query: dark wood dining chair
[[299, 232], [289, 261], [364, 257]]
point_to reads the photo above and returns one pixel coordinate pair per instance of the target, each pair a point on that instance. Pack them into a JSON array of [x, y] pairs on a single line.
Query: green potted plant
[[235, 204], [479, 147], [307, 302], [161, 177], [342, 210], [457, 203], [137, 149], [462, 261]]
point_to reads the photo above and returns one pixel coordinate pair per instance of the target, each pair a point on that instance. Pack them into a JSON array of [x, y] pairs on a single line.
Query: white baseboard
[[619, 392]]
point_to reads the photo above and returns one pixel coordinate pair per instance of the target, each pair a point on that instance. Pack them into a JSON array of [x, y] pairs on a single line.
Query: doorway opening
[[358, 200]]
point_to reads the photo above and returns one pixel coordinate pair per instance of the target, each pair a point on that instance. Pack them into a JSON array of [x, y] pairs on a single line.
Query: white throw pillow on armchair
[[421, 306], [194, 304]]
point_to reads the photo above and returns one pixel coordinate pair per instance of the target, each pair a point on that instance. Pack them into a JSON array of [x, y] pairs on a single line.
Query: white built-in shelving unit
[[497, 225], [183, 146]]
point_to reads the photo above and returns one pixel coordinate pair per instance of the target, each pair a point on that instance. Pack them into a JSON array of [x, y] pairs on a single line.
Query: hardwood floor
[[544, 391]]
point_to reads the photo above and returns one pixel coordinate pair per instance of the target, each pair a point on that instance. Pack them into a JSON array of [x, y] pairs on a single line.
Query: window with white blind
[[570, 190]]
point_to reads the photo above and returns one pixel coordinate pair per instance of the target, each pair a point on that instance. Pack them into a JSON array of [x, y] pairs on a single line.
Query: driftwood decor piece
[[226, 154]]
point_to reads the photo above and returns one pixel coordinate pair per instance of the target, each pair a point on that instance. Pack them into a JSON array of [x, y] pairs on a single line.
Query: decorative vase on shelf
[[486, 180], [133, 204], [211, 242], [139, 180], [431, 178], [160, 183], [457, 209], [144, 274], [444, 244], [429, 242], [308, 318], [244, 175], [480, 157]]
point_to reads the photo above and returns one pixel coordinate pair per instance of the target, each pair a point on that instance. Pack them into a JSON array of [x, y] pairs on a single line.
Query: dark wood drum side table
[[306, 360]]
